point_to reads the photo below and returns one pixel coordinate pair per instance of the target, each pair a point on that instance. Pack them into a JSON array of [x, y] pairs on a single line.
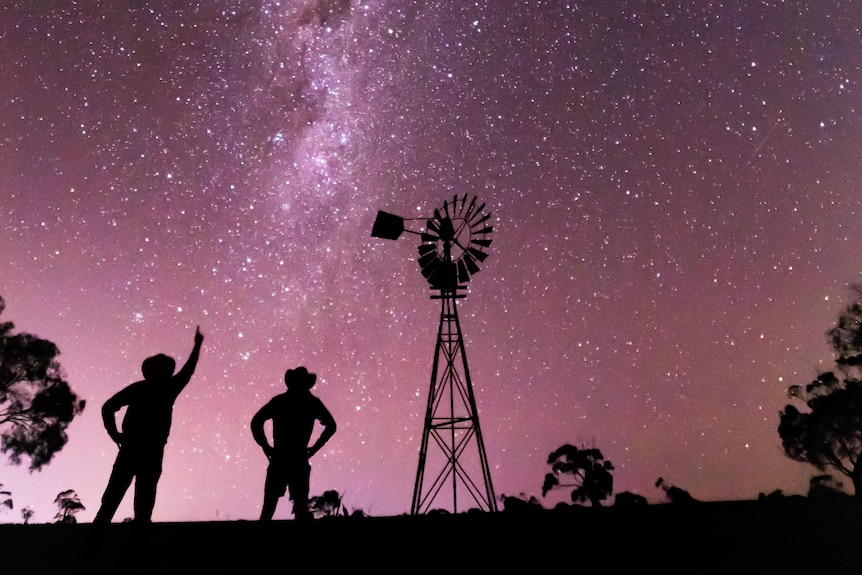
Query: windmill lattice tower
[[453, 464]]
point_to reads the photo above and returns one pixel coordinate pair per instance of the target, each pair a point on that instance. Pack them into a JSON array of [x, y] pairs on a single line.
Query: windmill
[[452, 459]]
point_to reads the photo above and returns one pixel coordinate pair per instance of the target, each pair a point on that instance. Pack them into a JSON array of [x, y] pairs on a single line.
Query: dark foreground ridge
[[786, 535]]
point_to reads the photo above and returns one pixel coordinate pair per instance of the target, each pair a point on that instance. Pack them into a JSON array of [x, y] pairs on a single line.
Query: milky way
[[674, 190]]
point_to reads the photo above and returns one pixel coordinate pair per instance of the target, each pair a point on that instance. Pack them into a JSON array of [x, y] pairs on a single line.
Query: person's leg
[[118, 483], [273, 489], [270, 500], [300, 477], [146, 482]]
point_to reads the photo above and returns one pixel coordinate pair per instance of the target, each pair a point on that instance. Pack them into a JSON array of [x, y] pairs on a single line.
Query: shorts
[[285, 474]]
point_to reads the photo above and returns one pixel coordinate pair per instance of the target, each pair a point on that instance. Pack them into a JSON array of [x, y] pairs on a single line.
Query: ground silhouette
[[772, 535]]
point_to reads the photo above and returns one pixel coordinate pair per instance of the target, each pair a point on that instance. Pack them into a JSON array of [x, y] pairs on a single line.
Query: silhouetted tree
[[629, 498], [825, 486], [675, 494], [5, 499], [36, 403], [520, 503], [26, 514], [846, 336], [326, 505], [588, 472], [68, 505], [829, 435]]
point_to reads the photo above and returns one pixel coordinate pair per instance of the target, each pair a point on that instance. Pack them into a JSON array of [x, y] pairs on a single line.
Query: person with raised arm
[[146, 425]]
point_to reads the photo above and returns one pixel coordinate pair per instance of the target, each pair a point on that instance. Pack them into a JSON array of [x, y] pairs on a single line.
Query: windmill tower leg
[[452, 449]]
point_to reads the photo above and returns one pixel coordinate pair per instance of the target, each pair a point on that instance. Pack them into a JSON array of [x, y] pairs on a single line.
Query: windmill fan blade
[[469, 261], [446, 209], [455, 209], [426, 237], [479, 255], [463, 272], [431, 269], [433, 277], [484, 231], [484, 218], [470, 207], [427, 260], [481, 242], [433, 225], [479, 209], [427, 254]]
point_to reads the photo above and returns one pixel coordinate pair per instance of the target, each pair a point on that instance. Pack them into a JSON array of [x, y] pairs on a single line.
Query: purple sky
[[674, 188]]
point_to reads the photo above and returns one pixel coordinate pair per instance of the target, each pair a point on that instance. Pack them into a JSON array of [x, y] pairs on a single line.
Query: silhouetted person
[[293, 414], [146, 425]]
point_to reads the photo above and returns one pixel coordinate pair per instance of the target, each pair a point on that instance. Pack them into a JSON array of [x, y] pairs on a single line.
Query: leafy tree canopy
[[326, 505], [36, 403], [627, 498], [520, 503], [5, 499], [675, 494], [68, 504], [584, 470], [825, 486], [846, 336], [829, 433]]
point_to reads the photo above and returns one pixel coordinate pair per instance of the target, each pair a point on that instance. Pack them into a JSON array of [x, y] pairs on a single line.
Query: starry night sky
[[674, 189]]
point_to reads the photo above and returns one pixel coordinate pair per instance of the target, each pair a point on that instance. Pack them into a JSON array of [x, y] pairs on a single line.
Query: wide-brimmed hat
[[300, 378]]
